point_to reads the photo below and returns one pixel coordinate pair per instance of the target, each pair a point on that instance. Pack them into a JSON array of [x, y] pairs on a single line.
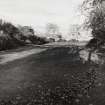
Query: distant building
[[74, 32], [77, 32]]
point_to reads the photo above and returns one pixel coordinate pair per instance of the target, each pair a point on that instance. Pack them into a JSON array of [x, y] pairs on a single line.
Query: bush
[[12, 37]]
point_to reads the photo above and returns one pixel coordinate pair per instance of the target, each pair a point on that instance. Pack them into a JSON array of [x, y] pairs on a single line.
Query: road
[[14, 55], [30, 76]]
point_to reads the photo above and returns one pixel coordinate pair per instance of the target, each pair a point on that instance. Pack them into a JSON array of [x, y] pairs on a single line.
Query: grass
[[53, 77]]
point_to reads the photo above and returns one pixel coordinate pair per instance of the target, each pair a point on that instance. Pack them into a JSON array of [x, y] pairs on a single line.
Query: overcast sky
[[37, 13]]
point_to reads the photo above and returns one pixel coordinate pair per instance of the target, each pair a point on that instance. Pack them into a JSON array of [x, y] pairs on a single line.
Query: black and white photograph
[[52, 52]]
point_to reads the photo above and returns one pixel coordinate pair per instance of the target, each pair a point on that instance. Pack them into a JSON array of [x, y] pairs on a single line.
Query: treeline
[[12, 36]]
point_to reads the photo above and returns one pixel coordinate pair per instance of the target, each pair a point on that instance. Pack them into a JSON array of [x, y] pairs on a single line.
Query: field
[[53, 76]]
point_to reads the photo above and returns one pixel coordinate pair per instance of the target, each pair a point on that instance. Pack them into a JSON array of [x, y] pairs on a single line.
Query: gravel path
[[5, 58]]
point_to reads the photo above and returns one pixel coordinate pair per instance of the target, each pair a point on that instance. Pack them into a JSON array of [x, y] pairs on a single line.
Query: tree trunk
[[89, 56]]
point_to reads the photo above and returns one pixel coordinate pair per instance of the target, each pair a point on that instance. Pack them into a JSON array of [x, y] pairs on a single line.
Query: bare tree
[[52, 31], [52, 28]]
